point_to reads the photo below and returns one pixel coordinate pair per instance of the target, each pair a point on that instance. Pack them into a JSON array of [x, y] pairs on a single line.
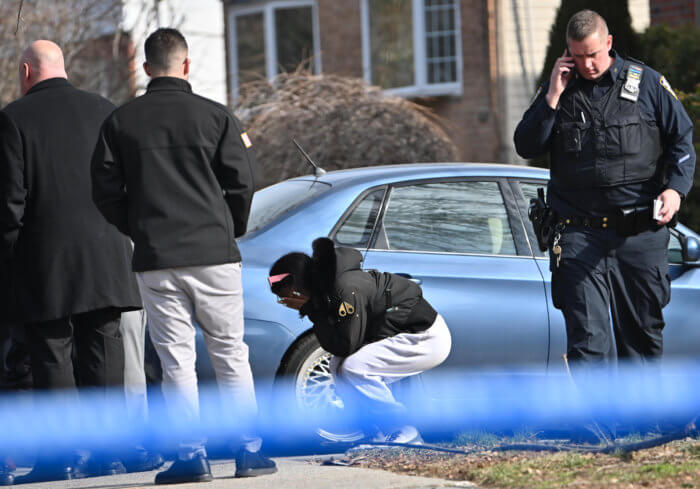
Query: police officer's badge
[[664, 83]]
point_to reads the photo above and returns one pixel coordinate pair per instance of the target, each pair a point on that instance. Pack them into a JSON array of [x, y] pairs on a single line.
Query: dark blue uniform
[[607, 154]]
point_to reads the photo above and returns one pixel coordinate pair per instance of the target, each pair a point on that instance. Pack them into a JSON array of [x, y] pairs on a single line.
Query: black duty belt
[[627, 221]]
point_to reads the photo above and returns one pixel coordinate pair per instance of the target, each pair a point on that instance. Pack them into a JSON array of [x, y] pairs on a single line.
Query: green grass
[[477, 437], [560, 470]]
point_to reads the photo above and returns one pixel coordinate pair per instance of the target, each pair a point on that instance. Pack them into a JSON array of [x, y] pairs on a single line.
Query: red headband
[[277, 278]]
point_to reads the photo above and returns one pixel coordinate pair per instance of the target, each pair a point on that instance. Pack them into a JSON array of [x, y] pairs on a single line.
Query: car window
[[356, 229], [448, 217], [273, 201], [675, 250]]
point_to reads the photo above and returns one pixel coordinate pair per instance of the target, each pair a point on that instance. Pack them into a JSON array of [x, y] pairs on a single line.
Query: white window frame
[[269, 36], [421, 86]]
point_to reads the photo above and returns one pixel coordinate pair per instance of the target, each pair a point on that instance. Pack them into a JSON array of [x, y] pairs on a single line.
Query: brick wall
[[473, 126], [674, 12], [469, 118]]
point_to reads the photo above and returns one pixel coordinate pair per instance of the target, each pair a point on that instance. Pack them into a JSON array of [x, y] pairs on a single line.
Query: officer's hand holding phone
[[562, 72]]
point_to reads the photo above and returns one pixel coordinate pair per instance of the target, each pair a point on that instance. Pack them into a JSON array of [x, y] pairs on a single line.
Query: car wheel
[[308, 366]]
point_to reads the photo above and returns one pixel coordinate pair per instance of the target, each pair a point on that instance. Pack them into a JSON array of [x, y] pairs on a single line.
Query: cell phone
[[657, 209], [568, 55]]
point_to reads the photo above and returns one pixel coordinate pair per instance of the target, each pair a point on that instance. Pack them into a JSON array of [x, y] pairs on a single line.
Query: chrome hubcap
[[315, 390]]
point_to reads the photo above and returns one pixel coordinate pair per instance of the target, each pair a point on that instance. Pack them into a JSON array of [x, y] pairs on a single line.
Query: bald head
[[40, 61]]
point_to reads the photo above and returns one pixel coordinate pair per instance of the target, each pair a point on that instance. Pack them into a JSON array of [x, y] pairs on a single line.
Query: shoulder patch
[[664, 83], [537, 94], [246, 140]]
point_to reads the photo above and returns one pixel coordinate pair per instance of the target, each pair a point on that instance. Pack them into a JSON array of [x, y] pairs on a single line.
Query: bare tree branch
[[19, 16]]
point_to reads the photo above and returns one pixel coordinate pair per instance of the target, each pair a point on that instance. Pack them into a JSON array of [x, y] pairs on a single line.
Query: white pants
[[213, 297], [364, 377], [133, 329]]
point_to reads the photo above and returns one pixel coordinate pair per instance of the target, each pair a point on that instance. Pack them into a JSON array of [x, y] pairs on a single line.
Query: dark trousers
[[601, 273], [92, 339]]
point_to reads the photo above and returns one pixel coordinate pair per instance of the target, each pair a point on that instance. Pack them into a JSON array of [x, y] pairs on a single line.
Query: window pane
[[450, 217], [440, 41], [391, 42], [271, 202], [675, 250], [250, 46], [295, 37], [357, 229]]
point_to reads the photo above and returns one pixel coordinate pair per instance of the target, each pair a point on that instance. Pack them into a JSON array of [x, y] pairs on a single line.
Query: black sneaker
[[45, 473], [195, 470], [253, 464]]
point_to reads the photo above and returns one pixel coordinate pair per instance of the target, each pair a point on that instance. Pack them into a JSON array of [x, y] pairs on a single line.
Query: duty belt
[[626, 221]]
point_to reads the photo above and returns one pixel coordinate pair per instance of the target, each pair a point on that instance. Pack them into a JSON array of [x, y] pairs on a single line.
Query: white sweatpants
[[364, 377], [213, 297]]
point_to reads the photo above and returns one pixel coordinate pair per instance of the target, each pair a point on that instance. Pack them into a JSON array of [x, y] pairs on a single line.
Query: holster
[[543, 220]]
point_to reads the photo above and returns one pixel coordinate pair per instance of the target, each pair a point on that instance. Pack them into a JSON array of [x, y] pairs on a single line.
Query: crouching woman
[[377, 325]]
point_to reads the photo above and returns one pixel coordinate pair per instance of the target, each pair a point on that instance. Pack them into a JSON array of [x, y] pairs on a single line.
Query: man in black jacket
[[69, 267], [175, 172]]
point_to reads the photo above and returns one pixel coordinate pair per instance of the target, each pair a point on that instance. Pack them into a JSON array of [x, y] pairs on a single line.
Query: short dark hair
[[298, 266], [584, 23], [160, 47]]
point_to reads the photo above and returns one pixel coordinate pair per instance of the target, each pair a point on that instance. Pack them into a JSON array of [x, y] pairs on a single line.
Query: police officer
[[377, 325], [618, 139]]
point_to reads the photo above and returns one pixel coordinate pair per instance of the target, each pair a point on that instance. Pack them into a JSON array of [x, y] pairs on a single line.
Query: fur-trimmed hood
[[328, 262]]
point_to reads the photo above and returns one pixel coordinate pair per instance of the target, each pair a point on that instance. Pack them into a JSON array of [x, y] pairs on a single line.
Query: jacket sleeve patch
[[664, 83], [246, 140]]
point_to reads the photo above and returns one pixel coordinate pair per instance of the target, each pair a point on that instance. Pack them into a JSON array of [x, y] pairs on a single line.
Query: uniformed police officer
[[377, 325], [618, 139]]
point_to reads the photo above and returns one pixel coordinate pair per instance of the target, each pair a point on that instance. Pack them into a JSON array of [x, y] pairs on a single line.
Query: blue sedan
[[459, 230]]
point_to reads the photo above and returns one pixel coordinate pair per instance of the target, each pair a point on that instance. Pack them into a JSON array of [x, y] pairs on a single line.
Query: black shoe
[[253, 464], [143, 461], [45, 473], [92, 467], [194, 470]]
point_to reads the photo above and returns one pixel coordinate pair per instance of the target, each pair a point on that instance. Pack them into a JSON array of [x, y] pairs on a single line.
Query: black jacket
[[350, 308], [65, 258], [175, 171]]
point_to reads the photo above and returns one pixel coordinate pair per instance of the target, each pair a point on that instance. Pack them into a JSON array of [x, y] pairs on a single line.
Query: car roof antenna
[[318, 171]]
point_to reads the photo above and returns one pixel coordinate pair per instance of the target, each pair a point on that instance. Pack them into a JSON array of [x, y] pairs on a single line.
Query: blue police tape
[[449, 402]]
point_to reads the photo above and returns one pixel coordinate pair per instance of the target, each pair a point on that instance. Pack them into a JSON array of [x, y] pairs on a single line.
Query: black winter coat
[[350, 308], [65, 257], [175, 171]]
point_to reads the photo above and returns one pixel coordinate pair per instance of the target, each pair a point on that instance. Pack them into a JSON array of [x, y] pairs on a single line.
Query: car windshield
[[273, 201]]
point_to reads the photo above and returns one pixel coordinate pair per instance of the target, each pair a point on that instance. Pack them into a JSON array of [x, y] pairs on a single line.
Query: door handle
[[409, 277]]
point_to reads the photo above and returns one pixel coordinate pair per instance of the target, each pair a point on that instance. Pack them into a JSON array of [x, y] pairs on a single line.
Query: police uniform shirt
[[658, 105]]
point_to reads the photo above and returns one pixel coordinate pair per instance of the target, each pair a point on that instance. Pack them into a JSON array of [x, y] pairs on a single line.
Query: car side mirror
[[690, 249]]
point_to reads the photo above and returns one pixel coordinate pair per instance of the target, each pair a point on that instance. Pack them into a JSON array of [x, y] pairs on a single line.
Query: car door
[[681, 334], [463, 241]]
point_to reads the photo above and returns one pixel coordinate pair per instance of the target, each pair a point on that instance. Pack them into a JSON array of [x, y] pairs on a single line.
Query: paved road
[[294, 473]]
